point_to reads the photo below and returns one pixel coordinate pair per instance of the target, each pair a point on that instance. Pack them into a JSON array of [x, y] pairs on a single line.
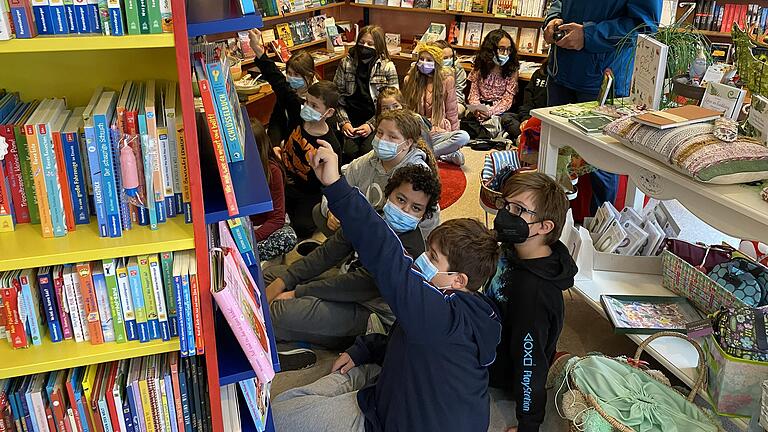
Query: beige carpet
[[585, 330]]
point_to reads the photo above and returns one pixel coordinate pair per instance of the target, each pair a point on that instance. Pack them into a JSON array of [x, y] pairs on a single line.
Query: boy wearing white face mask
[[307, 123], [317, 303], [434, 363], [429, 90]]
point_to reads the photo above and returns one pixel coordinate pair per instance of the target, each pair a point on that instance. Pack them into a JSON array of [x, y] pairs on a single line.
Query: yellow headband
[[435, 52]]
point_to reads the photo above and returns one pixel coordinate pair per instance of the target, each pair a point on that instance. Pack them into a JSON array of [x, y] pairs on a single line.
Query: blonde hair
[[409, 125], [389, 93], [415, 86]]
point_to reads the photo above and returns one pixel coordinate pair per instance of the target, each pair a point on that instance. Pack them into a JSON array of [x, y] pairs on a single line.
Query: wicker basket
[[698, 385], [684, 279]]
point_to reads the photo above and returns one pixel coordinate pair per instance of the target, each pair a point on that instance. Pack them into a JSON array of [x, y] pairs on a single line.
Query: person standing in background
[[595, 39]]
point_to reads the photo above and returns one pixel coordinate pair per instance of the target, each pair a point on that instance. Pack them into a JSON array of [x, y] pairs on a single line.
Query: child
[[307, 122], [534, 269], [274, 236], [318, 304], [494, 84], [459, 74], [300, 73], [434, 364], [429, 90], [534, 95], [359, 77], [398, 142]]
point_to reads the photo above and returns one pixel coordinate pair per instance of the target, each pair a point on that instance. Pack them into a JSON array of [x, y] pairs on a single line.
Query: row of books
[[29, 18], [719, 16], [256, 398], [471, 34], [121, 158], [501, 8], [142, 298], [271, 8], [163, 392]]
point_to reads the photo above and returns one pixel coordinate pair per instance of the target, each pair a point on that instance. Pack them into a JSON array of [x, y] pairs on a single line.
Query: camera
[[558, 34]]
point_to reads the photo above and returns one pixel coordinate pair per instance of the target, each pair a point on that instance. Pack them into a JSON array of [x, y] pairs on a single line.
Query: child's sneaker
[[456, 158], [296, 359], [306, 247]]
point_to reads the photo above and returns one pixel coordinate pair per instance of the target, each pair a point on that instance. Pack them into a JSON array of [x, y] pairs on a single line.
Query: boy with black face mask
[[533, 270]]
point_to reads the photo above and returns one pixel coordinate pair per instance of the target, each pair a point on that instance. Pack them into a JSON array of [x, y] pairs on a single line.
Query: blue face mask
[[309, 114], [427, 269], [295, 82], [501, 60], [385, 150], [399, 220], [448, 62]]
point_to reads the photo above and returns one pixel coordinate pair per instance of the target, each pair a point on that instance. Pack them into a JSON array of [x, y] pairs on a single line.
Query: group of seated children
[[425, 324]]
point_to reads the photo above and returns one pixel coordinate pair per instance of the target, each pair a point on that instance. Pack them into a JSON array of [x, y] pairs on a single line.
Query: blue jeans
[[605, 185]]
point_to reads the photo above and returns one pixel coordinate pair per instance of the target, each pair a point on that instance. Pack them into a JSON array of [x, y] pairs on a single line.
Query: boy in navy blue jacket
[[434, 364]]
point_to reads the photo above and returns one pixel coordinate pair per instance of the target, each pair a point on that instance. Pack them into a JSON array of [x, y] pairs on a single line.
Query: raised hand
[[325, 163], [255, 42]]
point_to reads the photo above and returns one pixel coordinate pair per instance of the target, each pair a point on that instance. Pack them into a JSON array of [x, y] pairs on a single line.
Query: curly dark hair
[[484, 59], [421, 179]]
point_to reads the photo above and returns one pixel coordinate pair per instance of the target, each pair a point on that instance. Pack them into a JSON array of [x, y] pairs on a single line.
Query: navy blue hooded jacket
[[606, 23], [435, 362]]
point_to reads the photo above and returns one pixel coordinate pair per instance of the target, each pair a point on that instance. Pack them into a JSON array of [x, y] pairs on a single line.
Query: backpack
[[741, 332]]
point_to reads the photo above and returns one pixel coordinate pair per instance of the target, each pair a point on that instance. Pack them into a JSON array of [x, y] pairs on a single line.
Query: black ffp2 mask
[[511, 228]]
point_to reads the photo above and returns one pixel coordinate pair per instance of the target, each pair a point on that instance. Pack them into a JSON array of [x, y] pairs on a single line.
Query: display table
[[735, 210]]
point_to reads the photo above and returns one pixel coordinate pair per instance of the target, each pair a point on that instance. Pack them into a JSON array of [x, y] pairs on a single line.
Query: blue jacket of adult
[[606, 45]]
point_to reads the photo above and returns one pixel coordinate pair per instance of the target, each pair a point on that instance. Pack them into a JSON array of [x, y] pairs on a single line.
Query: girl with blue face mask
[[300, 74]]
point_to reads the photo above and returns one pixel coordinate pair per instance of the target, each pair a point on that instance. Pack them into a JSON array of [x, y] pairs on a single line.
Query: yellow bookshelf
[[68, 354], [86, 43], [26, 248]]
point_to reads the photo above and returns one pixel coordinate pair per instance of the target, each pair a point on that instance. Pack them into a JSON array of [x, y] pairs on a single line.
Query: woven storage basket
[[684, 279]]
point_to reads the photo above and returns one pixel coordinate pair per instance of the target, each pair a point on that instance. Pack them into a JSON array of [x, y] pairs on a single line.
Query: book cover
[[13, 323], [185, 329], [79, 301], [113, 295], [194, 293], [137, 294], [43, 16], [155, 17], [114, 395], [169, 406], [23, 19], [94, 164], [49, 166], [24, 162], [489, 27], [234, 290], [69, 275], [591, 124], [126, 300], [672, 117], [146, 402], [166, 265], [34, 313], [90, 381], [116, 25], [166, 16], [132, 24], [90, 303], [57, 274], [149, 297], [648, 314], [72, 159], [58, 17], [241, 238], [724, 98], [170, 96], [132, 394], [164, 156], [56, 399], [227, 114], [75, 391], [103, 113], [36, 168], [103, 302], [158, 291], [756, 125], [173, 367], [61, 169], [50, 306], [648, 72], [184, 391], [148, 152], [152, 153], [186, 193], [528, 40], [284, 34], [281, 50], [473, 34], [12, 164]]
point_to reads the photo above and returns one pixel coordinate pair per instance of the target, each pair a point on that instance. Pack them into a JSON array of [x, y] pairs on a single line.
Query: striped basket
[[684, 279]]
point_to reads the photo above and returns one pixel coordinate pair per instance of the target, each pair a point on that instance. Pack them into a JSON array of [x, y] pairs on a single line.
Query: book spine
[[134, 399], [93, 17], [126, 412], [69, 9], [174, 368], [241, 238], [81, 413], [155, 18], [194, 292], [91, 304], [73, 160], [108, 183], [165, 171], [110, 275], [59, 411], [7, 217], [115, 404], [168, 405], [166, 17], [142, 327], [182, 321], [23, 19], [35, 403], [95, 168], [82, 17], [158, 291], [14, 176], [104, 415], [143, 16], [146, 403], [132, 17], [74, 312], [225, 112], [51, 178], [43, 21], [166, 263], [63, 308], [26, 174], [122, 199], [103, 17], [249, 342], [58, 17], [80, 302], [34, 318], [149, 297], [39, 181], [13, 325], [63, 181], [48, 297], [188, 316], [116, 25], [155, 400], [148, 160], [103, 302], [186, 196], [126, 301], [184, 396]]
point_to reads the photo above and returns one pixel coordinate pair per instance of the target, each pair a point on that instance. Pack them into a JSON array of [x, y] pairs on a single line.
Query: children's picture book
[[721, 52], [460, 35], [393, 43], [528, 40], [724, 98], [284, 34], [318, 27], [648, 72], [333, 38], [648, 314], [513, 32], [489, 27], [756, 125], [473, 35], [267, 36], [591, 124]]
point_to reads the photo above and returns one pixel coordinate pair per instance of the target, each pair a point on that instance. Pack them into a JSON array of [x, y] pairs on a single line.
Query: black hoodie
[[529, 296]]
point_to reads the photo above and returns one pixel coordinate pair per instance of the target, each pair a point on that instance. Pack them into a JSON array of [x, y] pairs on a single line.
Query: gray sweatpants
[[444, 143], [327, 405]]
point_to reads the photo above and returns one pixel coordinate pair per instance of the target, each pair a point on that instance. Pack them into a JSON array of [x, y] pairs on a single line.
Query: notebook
[[674, 117]]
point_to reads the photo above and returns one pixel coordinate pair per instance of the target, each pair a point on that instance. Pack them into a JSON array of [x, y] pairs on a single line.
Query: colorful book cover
[[113, 293], [31, 294], [179, 266], [116, 25], [226, 113], [88, 383], [94, 164], [122, 198], [14, 326], [166, 263], [186, 196], [61, 169], [61, 301], [70, 145], [103, 302], [102, 120], [165, 164], [153, 151], [104, 19], [194, 293], [79, 301], [137, 294], [50, 306], [58, 17], [155, 17], [166, 17], [132, 17], [158, 290], [13, 164], [43, 17], [24, 163], [149, 297], [169, 102], [74, 392], [241, 238], [189, 316], [69, 275], [126, 300], [49, 167], [90, 303], [23, 19], [36, 168], [148, 160], [284, 34]]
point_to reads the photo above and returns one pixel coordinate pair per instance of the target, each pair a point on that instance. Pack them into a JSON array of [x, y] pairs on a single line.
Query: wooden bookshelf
[[85, 43], [399, 9], [68, 354], [299, 47], [26, 247], [519, 53], [303, 12], [497, 17], [447, 12]]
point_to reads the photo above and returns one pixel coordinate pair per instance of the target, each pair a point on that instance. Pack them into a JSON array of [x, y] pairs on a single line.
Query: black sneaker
[[296, 359], [306, 247]]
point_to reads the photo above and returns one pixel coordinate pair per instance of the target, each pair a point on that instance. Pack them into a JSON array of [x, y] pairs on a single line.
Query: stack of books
[[155, 393], [504, 8], [271, 8], [143, 298], [121, 158], [256, 396], [297, 32], [30, 18], [719, 16]]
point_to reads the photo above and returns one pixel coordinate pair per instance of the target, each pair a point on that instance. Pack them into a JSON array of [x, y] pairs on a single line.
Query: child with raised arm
[[434, 363]]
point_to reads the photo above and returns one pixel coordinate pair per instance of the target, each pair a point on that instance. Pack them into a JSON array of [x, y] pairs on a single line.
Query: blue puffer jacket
[[606, 23]]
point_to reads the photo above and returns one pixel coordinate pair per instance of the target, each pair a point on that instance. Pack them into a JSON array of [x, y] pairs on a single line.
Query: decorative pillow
[[694, 151]]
